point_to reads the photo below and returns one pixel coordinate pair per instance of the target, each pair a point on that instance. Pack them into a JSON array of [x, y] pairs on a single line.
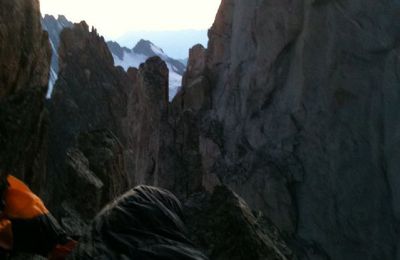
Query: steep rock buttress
[[24, 69], [89, 118], [304, 120]]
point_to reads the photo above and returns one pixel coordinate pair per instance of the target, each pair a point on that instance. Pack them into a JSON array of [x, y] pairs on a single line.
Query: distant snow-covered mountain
[[143, 50], [123, 56], [175, 44]]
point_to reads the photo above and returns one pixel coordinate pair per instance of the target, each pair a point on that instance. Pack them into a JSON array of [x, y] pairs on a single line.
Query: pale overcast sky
[[116, 17]]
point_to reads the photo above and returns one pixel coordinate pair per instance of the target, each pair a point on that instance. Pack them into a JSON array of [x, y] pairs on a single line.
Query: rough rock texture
[[105, 155], [156, 159], [96, 168], [304, 120], [293, 106], [151, 110], [89, 119], [196, 64], [166, 138], [24, 49], [224, 225], [196, 91], [186, 110], [54, 26], [24, 66]]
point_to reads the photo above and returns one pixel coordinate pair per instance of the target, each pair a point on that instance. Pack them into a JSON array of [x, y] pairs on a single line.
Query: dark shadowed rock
[[89, 139], [24, 67], [95, 168], [25, 52], [105, 155], [186, 112], [54, 26], [219, 36], [151, 113], [224, 225], [195, 93], [166, 147], [88, 186], [304, 124], [294, 106], [196, 64], [186, 143]]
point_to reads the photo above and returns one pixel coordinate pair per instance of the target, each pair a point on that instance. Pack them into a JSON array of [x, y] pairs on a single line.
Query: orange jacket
[[26, 224]]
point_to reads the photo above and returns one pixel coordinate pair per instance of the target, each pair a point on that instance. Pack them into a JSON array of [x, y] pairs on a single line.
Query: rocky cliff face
[[108, 127], [54, 26], [196, 90], [110, 130], [89, 119], [226, 228], [160, 134], [24, 66], [294, 106], [304, 116], [151, 111]]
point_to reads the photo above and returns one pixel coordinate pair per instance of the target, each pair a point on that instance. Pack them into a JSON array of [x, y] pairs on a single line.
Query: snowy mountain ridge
[[123, 56], [175, 43], [143, 50]]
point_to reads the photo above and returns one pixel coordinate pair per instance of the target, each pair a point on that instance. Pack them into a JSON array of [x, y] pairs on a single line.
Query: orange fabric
[[6, 235], [21, 202], [60, 252]]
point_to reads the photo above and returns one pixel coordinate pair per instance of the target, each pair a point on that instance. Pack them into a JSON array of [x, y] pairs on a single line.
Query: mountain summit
[[143, 50], [147, 48]]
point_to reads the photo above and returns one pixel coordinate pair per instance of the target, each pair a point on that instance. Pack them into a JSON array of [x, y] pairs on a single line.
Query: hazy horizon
[[175, 43], [119, 17]]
